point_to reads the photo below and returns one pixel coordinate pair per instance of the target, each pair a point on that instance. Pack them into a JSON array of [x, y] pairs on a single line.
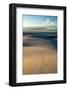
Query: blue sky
[[39, 21]]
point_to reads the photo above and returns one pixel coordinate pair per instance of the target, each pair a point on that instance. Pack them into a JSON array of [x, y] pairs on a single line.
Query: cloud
[[44, 23], [48, 22]]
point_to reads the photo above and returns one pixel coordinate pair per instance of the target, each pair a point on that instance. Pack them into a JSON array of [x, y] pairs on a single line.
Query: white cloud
[[45, 23], [50, 23]]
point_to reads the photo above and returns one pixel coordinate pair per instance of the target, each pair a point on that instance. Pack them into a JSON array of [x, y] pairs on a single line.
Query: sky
[[39, 21]]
